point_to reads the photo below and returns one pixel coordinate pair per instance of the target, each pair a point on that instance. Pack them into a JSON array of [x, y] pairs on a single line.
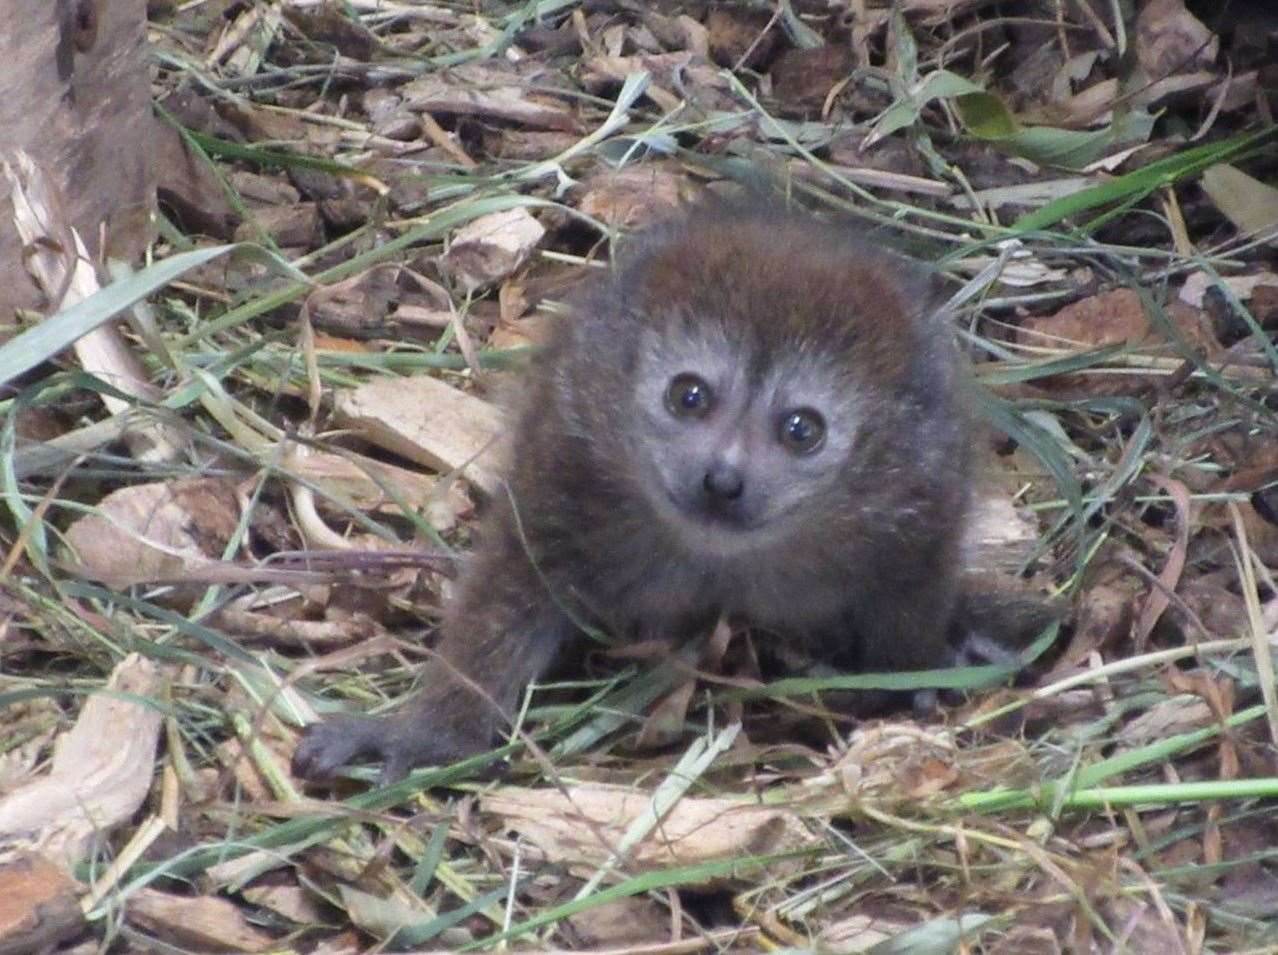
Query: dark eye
[[688, 396], [802, 431]]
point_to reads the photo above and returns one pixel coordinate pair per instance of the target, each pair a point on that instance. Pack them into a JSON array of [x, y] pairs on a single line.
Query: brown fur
[[859, 567]]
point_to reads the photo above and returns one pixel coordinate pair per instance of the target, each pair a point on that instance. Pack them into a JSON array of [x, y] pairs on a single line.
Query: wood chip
[[39, 904], [102, 770], [297, 225], [491, 247], [998, 535], [201, 922], [430, 422], [483, 89], [363, 482], [291, 901]]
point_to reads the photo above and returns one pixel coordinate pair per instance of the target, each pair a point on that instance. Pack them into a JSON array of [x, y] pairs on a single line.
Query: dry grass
[[1118, 799]]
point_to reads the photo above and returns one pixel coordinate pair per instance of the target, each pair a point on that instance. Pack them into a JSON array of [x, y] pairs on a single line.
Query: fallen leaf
[[1251, 205], [1116, 317], [579, 826], [1243, 287], [701, 82], [635, 196], [345, 214], [263, 190], [860, 933], [1111, 318], [1218, 691], [692, 36], [154, 532], [621, 923], [1182, 713], [396, 917], [1264, 305], [1221, 611], [518, 145], [667, 718], [878, 757], [1169, 577], [188, 189], [927, 777], [255, 122]]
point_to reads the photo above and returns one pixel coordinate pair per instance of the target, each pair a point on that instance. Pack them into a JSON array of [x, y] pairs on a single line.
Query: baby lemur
[[757, 415]]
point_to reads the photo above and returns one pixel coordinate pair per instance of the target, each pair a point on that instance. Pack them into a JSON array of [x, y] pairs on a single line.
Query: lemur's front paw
[[400, 742]]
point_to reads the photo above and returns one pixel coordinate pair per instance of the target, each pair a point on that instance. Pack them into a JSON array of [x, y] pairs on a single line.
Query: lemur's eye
[[802, 431], [688, 396]]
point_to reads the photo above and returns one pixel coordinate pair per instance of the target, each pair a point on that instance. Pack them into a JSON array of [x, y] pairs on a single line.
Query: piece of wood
[[78, 99], [101, 771], [203, 922], [430, 422], [39, 904]]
